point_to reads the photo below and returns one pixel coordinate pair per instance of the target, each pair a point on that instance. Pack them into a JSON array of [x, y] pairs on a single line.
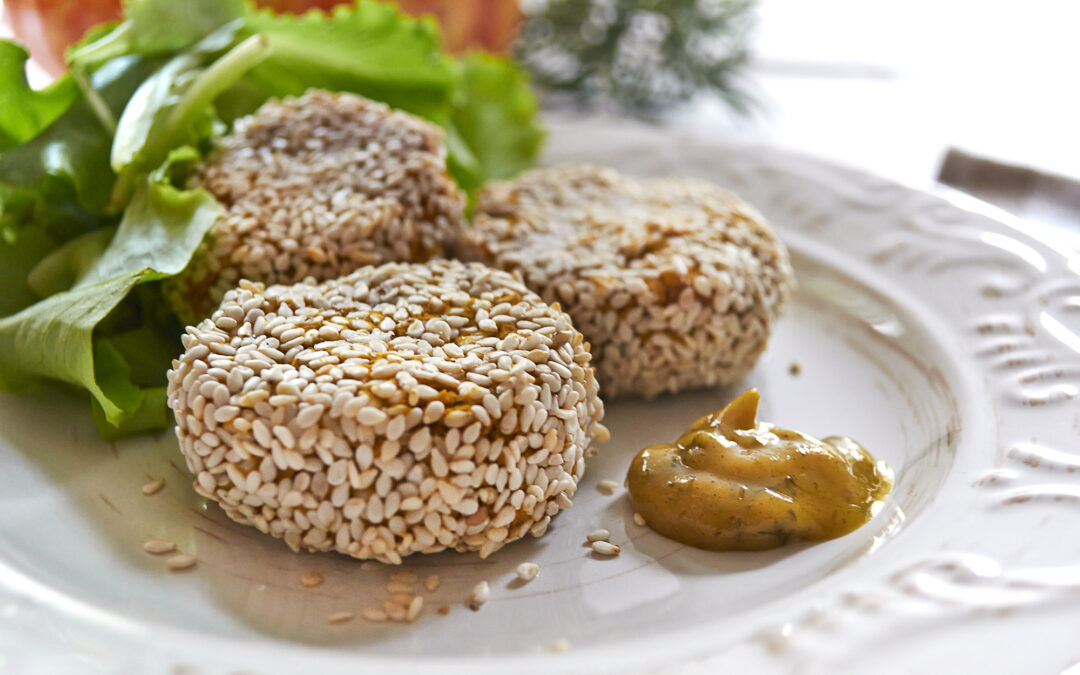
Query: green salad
[[94, 209]]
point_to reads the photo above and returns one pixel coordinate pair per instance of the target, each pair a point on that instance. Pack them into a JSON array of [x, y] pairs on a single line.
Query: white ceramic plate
[[945, 341]]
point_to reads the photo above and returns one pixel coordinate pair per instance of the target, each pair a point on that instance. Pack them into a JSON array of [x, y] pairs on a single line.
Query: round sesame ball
[[403, 408], [675, 282], [319, 186]]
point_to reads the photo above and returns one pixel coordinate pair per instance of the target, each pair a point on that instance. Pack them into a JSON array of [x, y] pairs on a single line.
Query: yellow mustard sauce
[[731, 483]]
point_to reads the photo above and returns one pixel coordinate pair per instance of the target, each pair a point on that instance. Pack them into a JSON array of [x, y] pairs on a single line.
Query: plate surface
[[943, 340]]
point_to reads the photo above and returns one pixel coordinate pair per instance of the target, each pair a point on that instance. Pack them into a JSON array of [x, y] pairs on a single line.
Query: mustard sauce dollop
[[731, 483]]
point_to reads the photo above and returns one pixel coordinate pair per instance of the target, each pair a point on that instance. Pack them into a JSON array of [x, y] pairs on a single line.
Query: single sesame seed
[[527, 571], [639, 519], [370, 416], [340, 617], [180, 562], [310, 579], [414, 608], [559, 646], [399, 587], [431, 582], [598, 535], [309, 416], [607, 487], [479, 595], [158, 546], [444, 610], [395, 611], [605, 548], [153, 487], [373, 614]]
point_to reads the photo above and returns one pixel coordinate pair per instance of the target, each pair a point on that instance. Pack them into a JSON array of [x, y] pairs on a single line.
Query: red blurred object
[[48, 27], [472, 24]]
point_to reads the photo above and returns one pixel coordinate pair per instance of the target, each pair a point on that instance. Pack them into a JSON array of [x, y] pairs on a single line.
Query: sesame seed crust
[[674, 282], [403, 408], [319, 186]]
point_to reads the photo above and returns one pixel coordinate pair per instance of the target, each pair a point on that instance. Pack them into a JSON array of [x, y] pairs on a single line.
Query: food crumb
[[431, 582], [479, 595], [444, 610], [339, 617], [607, 487], [559, 646], [153, 487], [795, 368], [180, 562], [605, 548], [158, 546], [310, 579], [527, 571]]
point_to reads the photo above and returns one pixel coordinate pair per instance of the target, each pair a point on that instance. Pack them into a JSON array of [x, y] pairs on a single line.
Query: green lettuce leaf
[[494, 121], [155, 27], [23, 111], [53, 339], [68, 163], [18, 258], [65, 266], [151, 414], [369, 49]]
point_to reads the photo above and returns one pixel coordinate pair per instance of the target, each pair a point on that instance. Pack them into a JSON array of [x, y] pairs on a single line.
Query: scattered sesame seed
[[431, 583], [527, 571], [310, 579], [444, 610], [398, 587], [676, 284], [179, 562], [559, 646], [158, 546], [605, 548], [339, 617], [479, 595], [395, 611], [607, 487], [405, 578], [414, 608], [639, 519], [373, 614], [598, 535], [153, 487]]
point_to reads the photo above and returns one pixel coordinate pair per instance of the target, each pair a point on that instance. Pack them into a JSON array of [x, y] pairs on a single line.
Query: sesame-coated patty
[[403, 408], [674, 282], [318, 186]]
